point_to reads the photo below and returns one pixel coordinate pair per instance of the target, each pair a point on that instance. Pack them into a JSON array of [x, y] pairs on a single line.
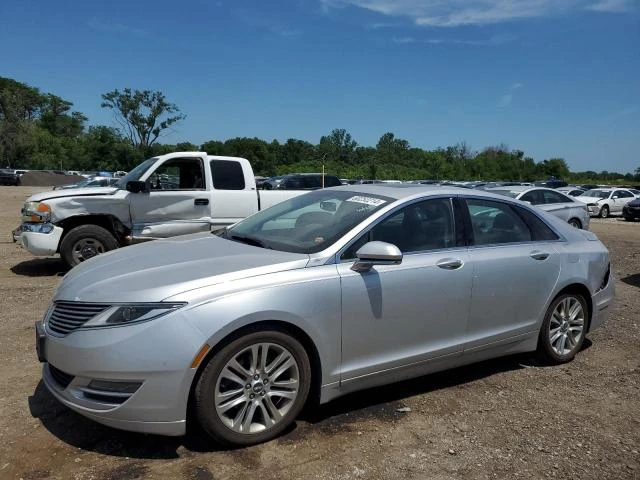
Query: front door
[[177, 201], [403, 315]]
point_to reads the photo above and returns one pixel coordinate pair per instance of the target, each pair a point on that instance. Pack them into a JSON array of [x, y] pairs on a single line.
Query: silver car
[[550, 200], [330, 292]]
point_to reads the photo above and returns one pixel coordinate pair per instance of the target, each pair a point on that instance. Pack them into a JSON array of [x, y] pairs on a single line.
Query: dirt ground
[[506, 418]]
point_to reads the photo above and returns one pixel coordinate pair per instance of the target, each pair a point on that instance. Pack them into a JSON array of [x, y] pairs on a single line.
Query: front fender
[[308, 299]]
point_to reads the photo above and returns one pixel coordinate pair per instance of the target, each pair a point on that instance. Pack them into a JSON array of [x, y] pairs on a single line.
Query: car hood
[[72, 192], [154, 271], [585, 199]]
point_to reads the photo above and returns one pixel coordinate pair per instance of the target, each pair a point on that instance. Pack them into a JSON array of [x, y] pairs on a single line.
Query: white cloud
[[402, 40], [494, 41], [611, 6], [117, 28], [453, 13], [505, 100]]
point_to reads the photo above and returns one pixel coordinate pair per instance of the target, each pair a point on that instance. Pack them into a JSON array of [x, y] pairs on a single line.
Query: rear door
[[515, 269], [176, 201], [623, 197]]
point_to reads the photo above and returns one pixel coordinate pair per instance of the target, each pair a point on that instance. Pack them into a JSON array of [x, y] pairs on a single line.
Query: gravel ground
[[506, 418]]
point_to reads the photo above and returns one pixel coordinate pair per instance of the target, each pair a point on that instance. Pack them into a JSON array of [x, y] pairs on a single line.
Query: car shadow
[[633, 280], [384, 403], [41, 267]]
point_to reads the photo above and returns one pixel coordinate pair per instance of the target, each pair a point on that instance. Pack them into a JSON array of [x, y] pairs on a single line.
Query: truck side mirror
[[135, 186]]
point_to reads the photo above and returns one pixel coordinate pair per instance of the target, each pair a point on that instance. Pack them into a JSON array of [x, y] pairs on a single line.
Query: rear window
[[227, 175], [540, 231]]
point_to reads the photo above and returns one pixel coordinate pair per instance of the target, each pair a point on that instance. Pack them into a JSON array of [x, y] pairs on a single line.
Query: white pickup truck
[[174, 194]]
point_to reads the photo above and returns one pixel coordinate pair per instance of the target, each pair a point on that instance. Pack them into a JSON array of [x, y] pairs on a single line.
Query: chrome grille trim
[[65, 317]]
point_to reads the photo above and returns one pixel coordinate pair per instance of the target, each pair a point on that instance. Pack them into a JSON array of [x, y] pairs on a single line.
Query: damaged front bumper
[[41, 239]]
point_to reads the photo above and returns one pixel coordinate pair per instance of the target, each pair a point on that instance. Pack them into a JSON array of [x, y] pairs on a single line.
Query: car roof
[[399, 191], [519, 189]]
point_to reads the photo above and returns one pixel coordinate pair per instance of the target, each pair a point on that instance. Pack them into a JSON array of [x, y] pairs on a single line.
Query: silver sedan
[[327, 293], [560, 204]]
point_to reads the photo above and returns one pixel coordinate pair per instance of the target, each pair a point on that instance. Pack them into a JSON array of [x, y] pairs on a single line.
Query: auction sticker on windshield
[[376, 202]]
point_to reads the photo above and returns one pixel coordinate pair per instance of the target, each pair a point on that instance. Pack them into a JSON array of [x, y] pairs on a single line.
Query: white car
[[559, 204], [602, 202]]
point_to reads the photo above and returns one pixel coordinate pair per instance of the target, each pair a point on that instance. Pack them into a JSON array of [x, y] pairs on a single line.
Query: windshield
[[309, 223], [136, 173], [596, 193]]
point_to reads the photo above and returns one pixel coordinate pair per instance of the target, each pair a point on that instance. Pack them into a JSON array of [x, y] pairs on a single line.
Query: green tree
[[142, 115]]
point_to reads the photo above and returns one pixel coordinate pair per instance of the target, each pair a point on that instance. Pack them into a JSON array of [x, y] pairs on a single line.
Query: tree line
[[42, 131]]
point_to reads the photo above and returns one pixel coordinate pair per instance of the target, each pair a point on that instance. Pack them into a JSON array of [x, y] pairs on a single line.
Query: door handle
[[450, 263], [539, 255], [201, 201]]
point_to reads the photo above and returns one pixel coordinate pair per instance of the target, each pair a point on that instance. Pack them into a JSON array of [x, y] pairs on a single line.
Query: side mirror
[[136, 186], [328, 206], [615, 196], [376, 253]]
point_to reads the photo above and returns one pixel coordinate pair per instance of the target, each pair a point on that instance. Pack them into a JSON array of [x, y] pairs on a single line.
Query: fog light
[[114, 387]]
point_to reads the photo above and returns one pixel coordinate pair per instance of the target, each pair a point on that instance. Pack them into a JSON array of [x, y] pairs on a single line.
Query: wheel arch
[[109, 222], [581, 289], [265, 325]]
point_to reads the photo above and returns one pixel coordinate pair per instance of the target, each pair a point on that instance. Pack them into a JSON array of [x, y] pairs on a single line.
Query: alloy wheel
[[256, 388], [566, 326]]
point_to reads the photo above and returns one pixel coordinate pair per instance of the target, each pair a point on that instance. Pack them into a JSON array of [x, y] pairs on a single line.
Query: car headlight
[[130, 314], [36, 212]]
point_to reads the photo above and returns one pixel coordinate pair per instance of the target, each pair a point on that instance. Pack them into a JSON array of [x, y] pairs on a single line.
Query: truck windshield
[[136, 173], [309, 223]]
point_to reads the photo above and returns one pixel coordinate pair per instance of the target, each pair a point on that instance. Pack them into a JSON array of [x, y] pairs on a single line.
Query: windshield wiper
[[248, 240]]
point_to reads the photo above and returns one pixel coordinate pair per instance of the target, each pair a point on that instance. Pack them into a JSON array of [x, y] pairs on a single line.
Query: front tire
[[84, 242], [604, 211], [563, 329], [253, 388]]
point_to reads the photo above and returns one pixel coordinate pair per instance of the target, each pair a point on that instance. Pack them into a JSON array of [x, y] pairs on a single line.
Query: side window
[[623, 194], [533, 197], [178, 174], [496, 222], [422, 226], [330, 181], [311, 182], [554, 197], [540, 231], [227, 175]]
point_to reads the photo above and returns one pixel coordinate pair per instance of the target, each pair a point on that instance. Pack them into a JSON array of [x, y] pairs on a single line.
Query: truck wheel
[[84, 242]]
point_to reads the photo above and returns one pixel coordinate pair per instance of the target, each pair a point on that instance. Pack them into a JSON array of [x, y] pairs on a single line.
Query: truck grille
[[69, 316]]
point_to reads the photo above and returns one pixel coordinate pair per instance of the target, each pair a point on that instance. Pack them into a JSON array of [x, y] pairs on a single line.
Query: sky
[[554, 78]]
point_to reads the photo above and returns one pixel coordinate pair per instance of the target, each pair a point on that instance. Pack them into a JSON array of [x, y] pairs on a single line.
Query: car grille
[[63, 379], [69, 316]]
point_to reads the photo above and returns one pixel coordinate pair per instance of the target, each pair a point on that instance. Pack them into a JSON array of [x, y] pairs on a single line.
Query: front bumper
[[594, 210], [156, 355], [41, 239]]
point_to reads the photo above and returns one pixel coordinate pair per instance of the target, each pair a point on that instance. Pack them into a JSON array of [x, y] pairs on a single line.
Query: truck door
[[234, 194], [176, 200]]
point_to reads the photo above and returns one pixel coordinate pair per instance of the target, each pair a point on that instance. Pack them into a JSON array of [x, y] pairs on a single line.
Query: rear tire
[[574, 222], [84, 242], [253, 388], [563, 329]]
